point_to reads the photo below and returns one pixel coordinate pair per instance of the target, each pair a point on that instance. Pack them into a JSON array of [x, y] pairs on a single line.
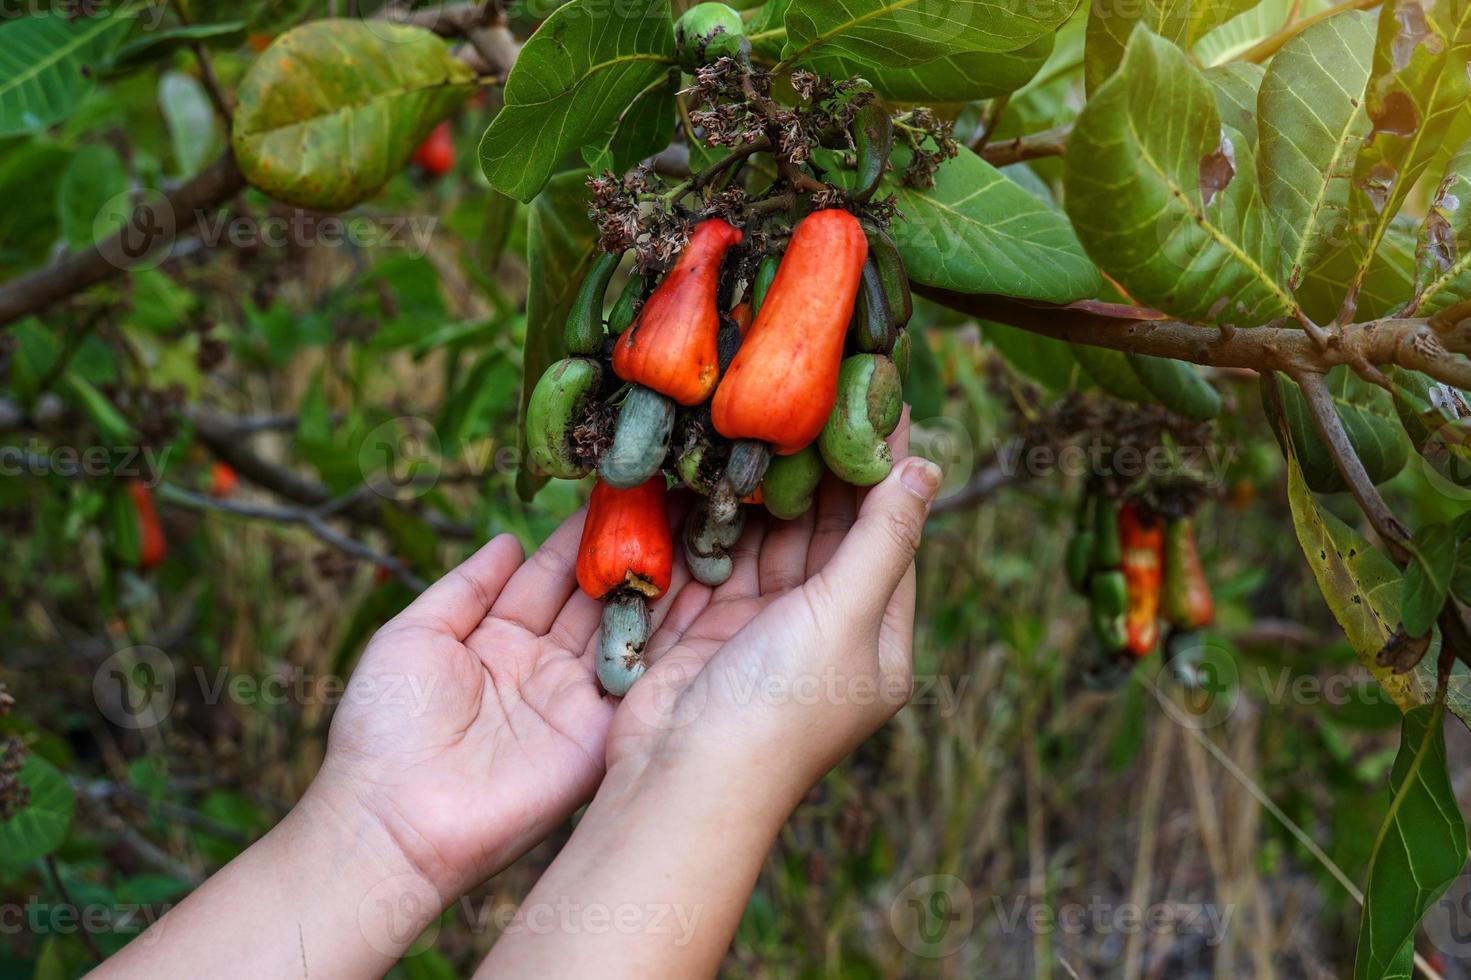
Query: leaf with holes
[[1443, 251], [907, 33], [40, 826], [335, 108], [49, 61], [1172, 211], [1417, 88], [1360, 585], [580, 71], [1312, 123], [561, 244], [1420, 850], [976, 231], [1183, 22]]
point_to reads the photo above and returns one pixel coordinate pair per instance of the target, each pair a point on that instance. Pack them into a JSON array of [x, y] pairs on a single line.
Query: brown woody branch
[[1048, 143], [492, 52], [226, 437], [1319, 400], [1409, 343]]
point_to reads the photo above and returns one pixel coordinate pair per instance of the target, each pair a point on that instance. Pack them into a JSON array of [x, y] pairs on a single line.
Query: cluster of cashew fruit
[[745, 400]]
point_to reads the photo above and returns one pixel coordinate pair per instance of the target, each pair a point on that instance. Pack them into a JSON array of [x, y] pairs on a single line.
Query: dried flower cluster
[[931, 142]]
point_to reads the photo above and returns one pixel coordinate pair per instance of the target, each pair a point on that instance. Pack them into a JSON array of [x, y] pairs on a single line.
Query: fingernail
[[921, 478]]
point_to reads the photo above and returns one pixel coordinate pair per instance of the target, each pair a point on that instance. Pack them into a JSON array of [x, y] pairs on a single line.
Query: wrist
[[356, 872]]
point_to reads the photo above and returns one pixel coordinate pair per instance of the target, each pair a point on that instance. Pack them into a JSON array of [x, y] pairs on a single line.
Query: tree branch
[[226, 438], [314, 520], [493, 50], [1048, 143], [1319, 400], [1409, 343], [142, 237]]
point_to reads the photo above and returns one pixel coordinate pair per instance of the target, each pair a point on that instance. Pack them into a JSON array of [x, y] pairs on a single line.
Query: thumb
[[878, 550]]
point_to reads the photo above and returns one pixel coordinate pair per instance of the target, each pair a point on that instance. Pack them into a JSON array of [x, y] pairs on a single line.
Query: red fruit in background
[[671, 347], [1143, 542], [223, 481], [152, 548], [259, 42], [782, 385], [626, 541], [437, 153], [1187, 593]]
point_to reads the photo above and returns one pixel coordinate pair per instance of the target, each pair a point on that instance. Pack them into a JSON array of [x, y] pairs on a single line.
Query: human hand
[[804, 652], [473, 723]]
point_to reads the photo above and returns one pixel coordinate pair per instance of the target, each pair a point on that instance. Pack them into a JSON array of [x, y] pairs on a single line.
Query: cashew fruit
[[559, 403], [870, 399]]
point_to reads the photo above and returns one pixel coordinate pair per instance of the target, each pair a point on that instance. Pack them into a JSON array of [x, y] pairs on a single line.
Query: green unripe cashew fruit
[[559, 403], [790, 483], [1111, 371], [708, 32], [1178, 386], [870, 400], [902, 353]]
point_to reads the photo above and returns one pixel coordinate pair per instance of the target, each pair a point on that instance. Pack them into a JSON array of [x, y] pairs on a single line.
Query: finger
[[540, 588], [459, 601], [837, 509], [867, 567], [685, 609], [784, 553], [896, 634], [745, 576]]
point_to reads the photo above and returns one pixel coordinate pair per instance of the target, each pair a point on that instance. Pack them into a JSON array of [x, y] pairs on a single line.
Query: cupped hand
[[804, 652], [474, 723]]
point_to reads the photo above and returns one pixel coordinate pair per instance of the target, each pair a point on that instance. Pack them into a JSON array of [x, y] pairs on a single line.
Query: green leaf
[[976, 231], [642, 130], [1437, 419], [561, 244], [1416, 90], [49, 61], [906, 33], [30, 178], [958, 78], [1312, 123], [1428, 577], [1242, 32], [158, 45], [573, 79], [1043, 359], [190, 117], [1442, 255], [1420, 850], [41, 825], [1172, 211], [335, 108], [1182, 22], [94, 176], [1385, 287], [1368, 418], [1360, 585]]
